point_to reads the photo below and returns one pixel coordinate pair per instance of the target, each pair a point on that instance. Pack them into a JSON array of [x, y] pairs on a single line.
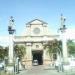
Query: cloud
[[4, 40], [70, 34]]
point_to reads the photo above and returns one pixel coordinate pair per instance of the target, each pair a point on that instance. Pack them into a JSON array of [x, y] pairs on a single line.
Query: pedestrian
[[57, 65]]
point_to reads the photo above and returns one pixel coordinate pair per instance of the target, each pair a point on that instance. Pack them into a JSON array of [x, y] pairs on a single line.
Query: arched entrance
[[38, 55]]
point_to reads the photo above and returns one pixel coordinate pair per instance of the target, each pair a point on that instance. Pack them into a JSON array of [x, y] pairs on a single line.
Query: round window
[[36, 30]]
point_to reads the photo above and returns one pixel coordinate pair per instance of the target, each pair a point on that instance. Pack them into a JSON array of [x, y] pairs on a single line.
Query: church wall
[[28, 30], [37, 46], [36, 26]]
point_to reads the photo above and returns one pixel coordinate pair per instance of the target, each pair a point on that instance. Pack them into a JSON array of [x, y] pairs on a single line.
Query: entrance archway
[[38, 55]]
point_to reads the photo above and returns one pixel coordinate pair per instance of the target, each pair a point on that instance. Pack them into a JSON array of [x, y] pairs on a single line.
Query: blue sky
[[24, 11]]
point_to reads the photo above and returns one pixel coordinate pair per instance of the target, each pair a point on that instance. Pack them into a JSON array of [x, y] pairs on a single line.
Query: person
[[57, 65]]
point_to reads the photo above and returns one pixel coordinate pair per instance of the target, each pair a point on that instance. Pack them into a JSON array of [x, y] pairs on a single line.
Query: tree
[[6, 49], [54, 46], [3, 52], [71, 47], [20, 50]]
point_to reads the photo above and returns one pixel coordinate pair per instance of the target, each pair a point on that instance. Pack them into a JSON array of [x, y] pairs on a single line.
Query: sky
[[24, 11]]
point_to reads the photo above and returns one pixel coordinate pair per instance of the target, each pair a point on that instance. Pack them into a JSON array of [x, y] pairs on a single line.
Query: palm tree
[[20, 51], [55, 47], [48, 46]]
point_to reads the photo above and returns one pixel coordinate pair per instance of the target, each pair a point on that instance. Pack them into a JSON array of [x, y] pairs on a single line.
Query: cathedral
[[36, 35]]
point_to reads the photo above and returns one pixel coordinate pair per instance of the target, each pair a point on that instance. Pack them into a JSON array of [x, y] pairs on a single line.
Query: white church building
[[36, 35]]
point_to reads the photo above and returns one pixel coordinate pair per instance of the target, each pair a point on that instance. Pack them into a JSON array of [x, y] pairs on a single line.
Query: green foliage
[[71, 47], [20, 50], [53, 46], [3, 52], [6, 49]]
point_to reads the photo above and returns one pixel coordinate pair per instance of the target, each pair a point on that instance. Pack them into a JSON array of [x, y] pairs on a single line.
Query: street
[[41, 70]]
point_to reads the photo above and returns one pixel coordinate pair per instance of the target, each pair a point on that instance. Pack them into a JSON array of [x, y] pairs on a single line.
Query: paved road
[[41, 70]]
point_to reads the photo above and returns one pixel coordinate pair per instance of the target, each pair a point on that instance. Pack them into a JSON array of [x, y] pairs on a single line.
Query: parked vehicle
[[1, 65], [35, 62]]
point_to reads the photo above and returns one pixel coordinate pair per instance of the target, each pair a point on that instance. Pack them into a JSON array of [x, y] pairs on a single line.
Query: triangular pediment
[[36, 21]]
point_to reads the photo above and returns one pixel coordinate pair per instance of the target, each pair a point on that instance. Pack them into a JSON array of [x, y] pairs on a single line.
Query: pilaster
[[46, 58], [29, 54]]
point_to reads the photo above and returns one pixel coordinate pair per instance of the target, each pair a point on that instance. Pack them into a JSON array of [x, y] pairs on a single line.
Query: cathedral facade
[[36, 35]]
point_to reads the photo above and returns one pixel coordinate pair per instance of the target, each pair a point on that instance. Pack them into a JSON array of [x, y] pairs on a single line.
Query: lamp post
[[63, 39], [11, 31]]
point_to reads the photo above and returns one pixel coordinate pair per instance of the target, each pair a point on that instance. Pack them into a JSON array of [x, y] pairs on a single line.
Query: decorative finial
[[11, 21]]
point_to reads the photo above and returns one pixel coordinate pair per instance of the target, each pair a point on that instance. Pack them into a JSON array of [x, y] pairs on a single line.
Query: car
[[35, 62], [1, 65]]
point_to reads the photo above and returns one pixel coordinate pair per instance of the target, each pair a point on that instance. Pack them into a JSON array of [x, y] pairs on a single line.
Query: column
[[64, 48], [46, 57], [28, 54], [10, 55]]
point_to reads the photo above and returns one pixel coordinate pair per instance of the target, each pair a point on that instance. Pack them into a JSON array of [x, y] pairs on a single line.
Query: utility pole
[[63, 39]]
